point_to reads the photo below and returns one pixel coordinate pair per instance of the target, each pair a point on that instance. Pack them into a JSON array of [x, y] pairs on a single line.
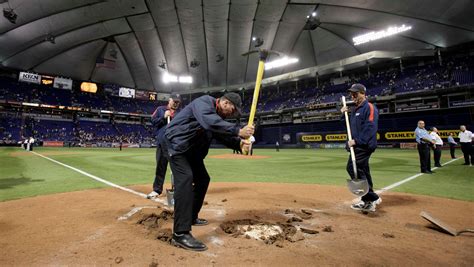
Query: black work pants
[[191, 181], [160, 171], [363, 171], [452, 148], [437, 155], [468, 153], [424, 153]]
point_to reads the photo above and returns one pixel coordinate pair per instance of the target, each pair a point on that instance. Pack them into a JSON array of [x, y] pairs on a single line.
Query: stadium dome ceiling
[[132, 42]]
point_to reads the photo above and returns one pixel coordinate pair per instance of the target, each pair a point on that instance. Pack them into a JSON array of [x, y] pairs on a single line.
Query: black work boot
[[187, 241], [200, 222]]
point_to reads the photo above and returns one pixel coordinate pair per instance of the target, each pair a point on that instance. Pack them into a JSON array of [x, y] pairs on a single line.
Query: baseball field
[[85, 206]]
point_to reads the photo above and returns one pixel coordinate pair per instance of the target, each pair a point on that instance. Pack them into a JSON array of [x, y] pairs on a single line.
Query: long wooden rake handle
[[349, 137]]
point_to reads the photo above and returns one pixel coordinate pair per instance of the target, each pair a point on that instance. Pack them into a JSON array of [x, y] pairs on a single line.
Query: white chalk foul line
[[101, 180], [408, 179], [403, 181]]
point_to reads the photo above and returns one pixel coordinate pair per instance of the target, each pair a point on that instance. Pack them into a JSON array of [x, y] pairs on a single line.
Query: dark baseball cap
[[175, 97], [357, 88], [236, 100]]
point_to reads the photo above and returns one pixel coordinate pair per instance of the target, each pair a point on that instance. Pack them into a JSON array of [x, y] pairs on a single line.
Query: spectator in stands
[[160, 119], [452, 145], [364, 125], [465, 138], [424, 141], [437, 146]]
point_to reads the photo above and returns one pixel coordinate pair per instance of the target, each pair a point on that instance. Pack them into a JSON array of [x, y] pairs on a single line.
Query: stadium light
[[170, 78], [185, 79], [372, 36], [167, 78], [280, 63]]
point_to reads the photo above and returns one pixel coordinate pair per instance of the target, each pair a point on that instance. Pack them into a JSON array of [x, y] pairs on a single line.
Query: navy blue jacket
[[196, 125], [159, 122], [364, 124]]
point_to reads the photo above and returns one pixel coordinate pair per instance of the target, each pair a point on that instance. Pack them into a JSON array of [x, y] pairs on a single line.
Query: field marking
[[409, 179], [133, 211], [102, 180], [404, 181]]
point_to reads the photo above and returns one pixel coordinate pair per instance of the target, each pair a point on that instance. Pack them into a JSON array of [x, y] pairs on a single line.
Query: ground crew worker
[[159, 119], [364, 125], [187, 141]]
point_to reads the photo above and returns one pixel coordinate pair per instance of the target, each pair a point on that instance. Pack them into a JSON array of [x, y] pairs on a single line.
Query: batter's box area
[[249, 224]]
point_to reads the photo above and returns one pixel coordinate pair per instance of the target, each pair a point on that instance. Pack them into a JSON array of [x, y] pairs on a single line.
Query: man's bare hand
[[247, 131], [351, 143], [245, 146], [167, 114], [344, 109]]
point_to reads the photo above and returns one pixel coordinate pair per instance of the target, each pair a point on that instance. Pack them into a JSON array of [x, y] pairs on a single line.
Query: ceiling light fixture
[[257, 41], [219, 58], [312, 23], [50, 38], [194, 63], [162, 65], [170, 78], [280, 63], [10, 15], [372, 36]]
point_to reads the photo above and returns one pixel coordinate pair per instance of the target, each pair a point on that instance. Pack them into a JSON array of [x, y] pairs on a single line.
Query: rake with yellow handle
[[262, 54]]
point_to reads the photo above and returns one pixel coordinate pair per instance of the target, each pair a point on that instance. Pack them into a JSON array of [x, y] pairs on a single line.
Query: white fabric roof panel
[[27, 35], [119, 72], [240, 30], [328, 46], [28, 11], [150, 45], [45, 50], [191, 18], [216, 13], [266, 24], [150, 32], [128, 44], [79, 57], [166, 20]]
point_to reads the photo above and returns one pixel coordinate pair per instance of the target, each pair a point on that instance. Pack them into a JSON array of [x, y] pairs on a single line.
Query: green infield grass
[[23, 174]]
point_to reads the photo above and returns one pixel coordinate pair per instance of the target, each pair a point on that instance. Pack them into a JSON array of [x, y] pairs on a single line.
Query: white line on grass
[[403, 181], [101, 180], [408, 179]]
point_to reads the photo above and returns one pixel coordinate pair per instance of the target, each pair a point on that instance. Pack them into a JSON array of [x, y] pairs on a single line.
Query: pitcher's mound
[[237, 156]]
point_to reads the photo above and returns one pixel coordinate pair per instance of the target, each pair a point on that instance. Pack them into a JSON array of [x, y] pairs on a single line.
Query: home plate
[[260, 231]]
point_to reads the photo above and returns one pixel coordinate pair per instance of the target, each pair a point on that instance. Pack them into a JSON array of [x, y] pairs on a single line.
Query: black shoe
[[428, 172], [200, 222], [465, 164], [187, 241], [439, 166]]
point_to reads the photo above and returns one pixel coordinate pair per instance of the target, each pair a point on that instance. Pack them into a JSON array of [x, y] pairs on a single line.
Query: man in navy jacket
[[364, 124], [159, 119], [187, 140]]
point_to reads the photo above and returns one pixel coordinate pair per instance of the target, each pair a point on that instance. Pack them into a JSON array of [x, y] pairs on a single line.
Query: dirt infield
[[237, 156], [250, 224]]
